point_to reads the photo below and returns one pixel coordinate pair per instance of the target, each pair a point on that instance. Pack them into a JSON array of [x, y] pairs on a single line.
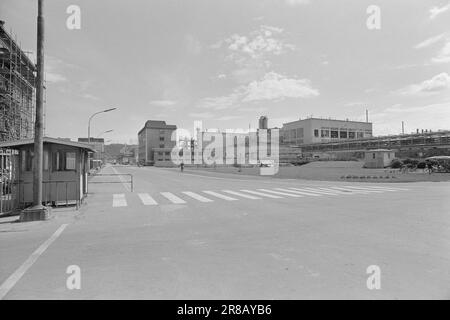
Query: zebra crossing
[[207, 196]]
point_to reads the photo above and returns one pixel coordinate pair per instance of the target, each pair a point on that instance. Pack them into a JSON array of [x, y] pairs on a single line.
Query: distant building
[[316, 130], [155, 142], [128, 155], [98, 144]]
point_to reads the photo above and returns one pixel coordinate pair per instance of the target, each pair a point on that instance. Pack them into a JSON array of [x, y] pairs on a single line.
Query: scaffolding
[[17, 90]]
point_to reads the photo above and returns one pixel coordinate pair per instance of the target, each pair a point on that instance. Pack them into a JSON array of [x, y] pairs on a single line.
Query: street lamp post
[[90, 118], [89, 129], [107, 131]]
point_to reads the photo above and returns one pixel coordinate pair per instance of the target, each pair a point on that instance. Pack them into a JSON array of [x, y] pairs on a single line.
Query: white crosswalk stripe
[[354, 191], [172, 198], [282, 193], [147, 200], [330, 193], [119, 200], [300, 192], [262, 194], [220, 196], [343, 192], [383, 188], [197, 196], [240, 194], [368, 189]]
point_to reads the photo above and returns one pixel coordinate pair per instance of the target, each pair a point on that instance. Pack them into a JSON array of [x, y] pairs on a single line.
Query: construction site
[[17, 89]]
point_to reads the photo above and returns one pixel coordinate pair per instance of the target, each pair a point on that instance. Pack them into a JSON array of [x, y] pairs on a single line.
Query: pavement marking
[[15, 277], [172, 198], [344, 192], [147, 200], [119, 200], [241, 195], [368, 189], [282, 193], [333, 193], [197, 196], [299, 192], [124, 182], [355, 191], [385, 188], [220, 196], [262, 194]]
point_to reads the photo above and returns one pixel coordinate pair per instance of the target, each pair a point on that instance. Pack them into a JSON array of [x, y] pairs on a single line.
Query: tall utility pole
[[38, 126]]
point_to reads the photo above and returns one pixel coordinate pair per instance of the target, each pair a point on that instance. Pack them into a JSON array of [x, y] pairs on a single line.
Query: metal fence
[[119, 175], [8, 176]]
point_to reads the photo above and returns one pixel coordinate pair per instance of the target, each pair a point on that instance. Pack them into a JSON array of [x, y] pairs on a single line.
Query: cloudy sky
[[226, 62]]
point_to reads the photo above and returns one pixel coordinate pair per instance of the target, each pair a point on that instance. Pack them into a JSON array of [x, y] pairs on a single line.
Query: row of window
[[336, 134], [62, 160]]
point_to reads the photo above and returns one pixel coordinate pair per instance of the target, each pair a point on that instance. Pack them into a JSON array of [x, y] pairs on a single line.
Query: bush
[[396, 164], [411, 163], [421, 165], [300, 163]]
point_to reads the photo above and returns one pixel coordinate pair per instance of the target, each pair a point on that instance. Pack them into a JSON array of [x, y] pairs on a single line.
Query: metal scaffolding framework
[[17, 89]]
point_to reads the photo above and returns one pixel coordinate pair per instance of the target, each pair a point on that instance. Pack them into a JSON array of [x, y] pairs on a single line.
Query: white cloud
[[257, 45], [443, 56], [431, 86], [252, 53], [272, 86], [428, 42], [275, 87], [297, 2], [435, 11], [55, 69], [53, 77], [163, 103]]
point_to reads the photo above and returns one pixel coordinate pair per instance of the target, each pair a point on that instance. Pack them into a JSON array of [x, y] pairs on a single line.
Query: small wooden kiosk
[[65, 170]]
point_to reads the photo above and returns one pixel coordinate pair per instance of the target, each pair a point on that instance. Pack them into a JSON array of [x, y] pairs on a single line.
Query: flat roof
[[325, 119], [15, 143]]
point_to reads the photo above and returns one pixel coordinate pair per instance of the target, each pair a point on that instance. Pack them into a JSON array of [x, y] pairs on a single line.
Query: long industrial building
[[17, 90]]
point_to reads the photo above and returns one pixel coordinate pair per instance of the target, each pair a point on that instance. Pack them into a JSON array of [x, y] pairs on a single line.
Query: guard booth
[[65, 170], [378, 158]]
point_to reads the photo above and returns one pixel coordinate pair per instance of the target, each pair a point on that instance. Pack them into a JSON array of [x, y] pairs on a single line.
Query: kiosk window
[[70, 160]]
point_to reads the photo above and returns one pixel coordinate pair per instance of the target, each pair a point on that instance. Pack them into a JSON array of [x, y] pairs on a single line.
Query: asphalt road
[[181, 236]]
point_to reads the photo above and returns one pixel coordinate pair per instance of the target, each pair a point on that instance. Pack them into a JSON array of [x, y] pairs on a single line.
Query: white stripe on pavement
[[147, 200], [15, 277], [172, 198], [346, 192], [262, 194], [299, 192], [197, 196], [331, 193], [119, 200], [368, 189], [356, 191], [241, 195], [386, 188], [281, 193], [220, 196]]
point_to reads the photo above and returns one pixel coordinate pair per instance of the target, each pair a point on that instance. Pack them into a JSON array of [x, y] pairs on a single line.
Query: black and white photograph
[[224, 154]]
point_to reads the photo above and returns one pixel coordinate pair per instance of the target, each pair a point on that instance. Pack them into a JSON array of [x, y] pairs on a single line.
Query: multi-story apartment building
[[155, 142], [315, 130]]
